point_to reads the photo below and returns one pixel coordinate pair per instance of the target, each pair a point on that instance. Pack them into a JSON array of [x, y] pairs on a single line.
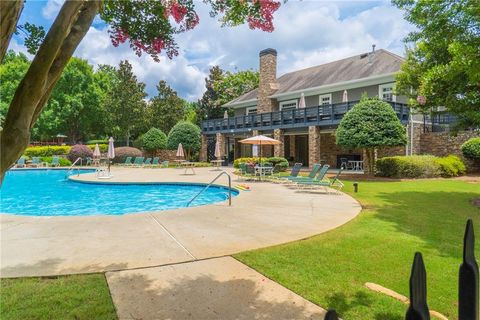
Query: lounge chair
[[36, 162], [20, 163], [335, 182], [89, 161], [293, 174], [155, 161], [128, 161], [245, 173], [164, 164], [147, 162], [55, 162], [315, 169], [138, 162]]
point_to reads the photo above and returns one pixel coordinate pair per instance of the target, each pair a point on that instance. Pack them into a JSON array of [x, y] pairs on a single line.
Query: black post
[[418, 309], [468, 296], [331, 315]]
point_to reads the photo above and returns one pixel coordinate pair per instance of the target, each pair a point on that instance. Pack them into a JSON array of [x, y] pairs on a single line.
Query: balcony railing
[[325, 115]]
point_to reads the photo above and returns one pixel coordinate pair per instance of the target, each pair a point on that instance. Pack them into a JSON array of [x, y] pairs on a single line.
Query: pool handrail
[[211, 182], [72, 166]]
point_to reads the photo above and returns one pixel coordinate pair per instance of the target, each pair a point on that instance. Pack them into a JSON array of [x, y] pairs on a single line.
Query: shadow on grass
[[138, 297], [438, 218], [339, 301]]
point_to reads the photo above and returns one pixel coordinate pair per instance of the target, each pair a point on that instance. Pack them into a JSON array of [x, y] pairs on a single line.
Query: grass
[[398, 219], [63, 297]]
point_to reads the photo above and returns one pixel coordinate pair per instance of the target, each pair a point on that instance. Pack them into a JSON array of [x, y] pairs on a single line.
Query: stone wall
[[267, 81], [444, 143], [203, 149], [279, 149], [314, 145]]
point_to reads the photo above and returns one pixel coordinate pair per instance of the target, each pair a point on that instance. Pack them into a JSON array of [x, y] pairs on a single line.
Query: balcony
[[323, 116]]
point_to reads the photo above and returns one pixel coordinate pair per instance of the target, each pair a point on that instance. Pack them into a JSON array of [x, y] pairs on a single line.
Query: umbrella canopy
[[345, 96], [261, 140], [96, 151], [111, 149], [301, 103], [180, 152], [218, 153]]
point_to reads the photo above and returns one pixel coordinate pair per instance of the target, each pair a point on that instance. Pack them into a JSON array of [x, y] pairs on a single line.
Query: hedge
[[100, 141], [424, 166], [471, 148], [47, 151], [273, 161]]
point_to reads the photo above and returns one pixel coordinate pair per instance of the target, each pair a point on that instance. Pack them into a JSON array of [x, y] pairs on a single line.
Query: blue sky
[[307, 33]]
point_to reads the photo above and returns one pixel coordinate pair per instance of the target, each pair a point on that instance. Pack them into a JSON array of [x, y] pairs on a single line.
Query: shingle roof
[[352, 68]]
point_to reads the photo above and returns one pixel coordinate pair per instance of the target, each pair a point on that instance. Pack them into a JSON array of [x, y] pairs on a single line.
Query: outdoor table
[[188, 166], [263, 171], [356, 165], [217, 164]]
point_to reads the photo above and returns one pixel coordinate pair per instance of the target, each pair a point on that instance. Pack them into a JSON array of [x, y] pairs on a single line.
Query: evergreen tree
[[166, 108]]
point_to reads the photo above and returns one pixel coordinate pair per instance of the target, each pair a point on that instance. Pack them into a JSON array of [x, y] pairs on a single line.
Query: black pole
[[468, 296], [418, 309]]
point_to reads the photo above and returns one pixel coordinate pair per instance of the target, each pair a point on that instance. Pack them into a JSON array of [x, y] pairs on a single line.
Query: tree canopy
[[443, 67], [186, 133], [166, 108], [154, 139]]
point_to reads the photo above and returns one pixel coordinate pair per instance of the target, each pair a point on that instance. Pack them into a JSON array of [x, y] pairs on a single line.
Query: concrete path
[[269, 214], [220, 288]]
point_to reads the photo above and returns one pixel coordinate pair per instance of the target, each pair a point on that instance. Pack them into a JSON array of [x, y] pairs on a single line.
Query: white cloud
[[50, 10]]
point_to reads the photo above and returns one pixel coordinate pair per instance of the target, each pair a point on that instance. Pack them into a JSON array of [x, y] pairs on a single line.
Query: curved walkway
[[267, 215]]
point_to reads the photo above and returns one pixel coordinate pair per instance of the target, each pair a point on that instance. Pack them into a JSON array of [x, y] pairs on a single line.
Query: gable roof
[[348, 69]]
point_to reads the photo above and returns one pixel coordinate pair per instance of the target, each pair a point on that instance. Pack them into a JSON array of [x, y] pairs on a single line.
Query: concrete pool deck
[[267, 215]]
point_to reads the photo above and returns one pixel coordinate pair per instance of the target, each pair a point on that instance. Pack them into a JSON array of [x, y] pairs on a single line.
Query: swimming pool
[[49, 193]]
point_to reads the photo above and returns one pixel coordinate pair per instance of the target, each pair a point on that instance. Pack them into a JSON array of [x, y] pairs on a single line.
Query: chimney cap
[[268, 51]]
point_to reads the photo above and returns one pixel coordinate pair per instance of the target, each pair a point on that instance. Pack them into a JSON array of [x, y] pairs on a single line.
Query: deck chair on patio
[[293, 174], [20, 163], [138, 162], [329, 183], [36, 162], [164, 164], [320, 177], [55, 162], [315, 169], [243, 172], [147, 162], [128, 161], [155, 162]]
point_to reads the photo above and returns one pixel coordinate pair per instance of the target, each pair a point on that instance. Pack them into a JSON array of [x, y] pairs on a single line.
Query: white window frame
[[283, 103], [387, 85], [250, 110], [320, 97]]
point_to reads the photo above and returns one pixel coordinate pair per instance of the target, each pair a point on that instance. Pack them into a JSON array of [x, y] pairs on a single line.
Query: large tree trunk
[[68, 29], [9, 14]]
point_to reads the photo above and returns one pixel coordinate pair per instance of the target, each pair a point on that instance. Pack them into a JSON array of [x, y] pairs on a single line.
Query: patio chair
[[20, 163], [335, 182], [36, 162], [155, 161], [138, 162], [164, 164], [55, 162], [147, 162], [293, 174], [315, 169], [128, 161], [89, 161]]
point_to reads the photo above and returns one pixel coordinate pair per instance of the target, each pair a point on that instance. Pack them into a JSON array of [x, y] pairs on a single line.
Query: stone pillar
[[267, 80], [238, 149], [292, 147], [203, 149], [220, 138], [313, 145], [279, 149]]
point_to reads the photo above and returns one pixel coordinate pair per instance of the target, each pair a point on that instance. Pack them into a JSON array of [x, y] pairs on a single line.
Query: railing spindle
[[331, 315], [468, 296], [418, 309]]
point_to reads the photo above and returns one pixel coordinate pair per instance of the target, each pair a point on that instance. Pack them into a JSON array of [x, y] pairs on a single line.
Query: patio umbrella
[[225, 115], [110, 152], [301, 103], [345, 96], [218, 153], [260, 140], [180, 152], [96, 151]]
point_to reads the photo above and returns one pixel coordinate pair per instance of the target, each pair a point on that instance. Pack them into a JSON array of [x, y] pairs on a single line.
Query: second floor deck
[[323, 116]]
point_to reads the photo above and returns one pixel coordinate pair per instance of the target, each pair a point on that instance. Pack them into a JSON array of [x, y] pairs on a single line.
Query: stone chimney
[[268, 78]]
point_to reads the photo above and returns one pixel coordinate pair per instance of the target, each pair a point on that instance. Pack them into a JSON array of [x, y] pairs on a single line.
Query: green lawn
[[398, 219], [69, 297]]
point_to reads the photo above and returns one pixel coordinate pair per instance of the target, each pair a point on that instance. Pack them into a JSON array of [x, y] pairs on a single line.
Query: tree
[[186, 133], [370, 124], [208, 108], [166, 108], [443, 67], [154, 139], [146, 25], [125, 102], [233, 85]]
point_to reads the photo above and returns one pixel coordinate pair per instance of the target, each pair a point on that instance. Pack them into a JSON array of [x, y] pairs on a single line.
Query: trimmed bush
[[425, 166], [123, 152], [154, 139], [63, 162], [471, 149], [79, 151], [100, 141], [186, 133], [103, 147], [138, 143], [47, 151], [272, 161]]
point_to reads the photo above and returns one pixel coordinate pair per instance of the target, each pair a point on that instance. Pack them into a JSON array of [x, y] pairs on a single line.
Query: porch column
[[238, 149], [279, 149], [203, 149], [313, 145], [292, 146], [220, 138]]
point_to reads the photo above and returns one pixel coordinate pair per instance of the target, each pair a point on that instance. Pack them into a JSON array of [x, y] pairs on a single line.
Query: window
[[385, 92], [288, 105], [251, 110], [324, 99]]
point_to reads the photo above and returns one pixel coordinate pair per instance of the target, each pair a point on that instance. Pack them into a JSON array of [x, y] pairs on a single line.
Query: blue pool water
[[48, 193]]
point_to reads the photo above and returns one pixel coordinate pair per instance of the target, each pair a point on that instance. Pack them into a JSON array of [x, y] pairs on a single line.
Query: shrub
[[79, 151], [47, 151], [424, 166], [272, 161], [186, 133], [123, 152], [101, 141], [451, 166], [154, 140], [138, 143], [103, 147], [63, 162], [471, 148]]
